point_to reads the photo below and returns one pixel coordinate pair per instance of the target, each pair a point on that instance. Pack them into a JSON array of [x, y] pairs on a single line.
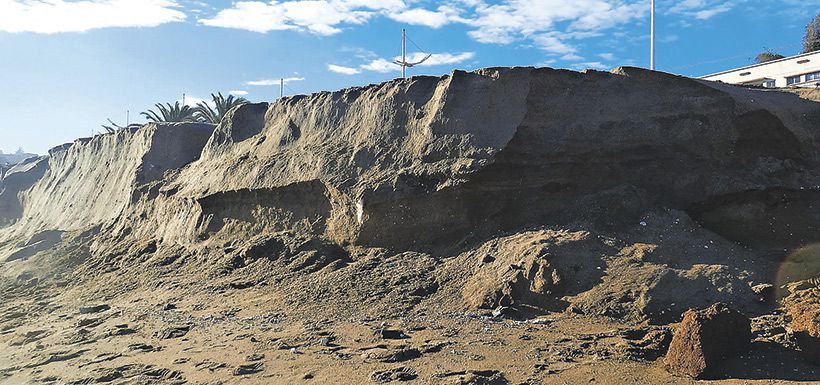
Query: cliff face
[[427, 163], [442, 166], [92, 182]]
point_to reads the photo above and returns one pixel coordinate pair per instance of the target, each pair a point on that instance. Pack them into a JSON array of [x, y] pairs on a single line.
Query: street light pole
[[403, 52], [652, 36]]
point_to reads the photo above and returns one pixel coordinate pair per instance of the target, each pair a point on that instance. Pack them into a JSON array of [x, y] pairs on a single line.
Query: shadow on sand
[[769, 361]]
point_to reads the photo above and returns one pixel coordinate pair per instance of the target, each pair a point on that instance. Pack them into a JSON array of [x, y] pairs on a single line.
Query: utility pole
[[183, 99], [127, 118], [403, 63], [281, 88], [652, 36], [403, 51]]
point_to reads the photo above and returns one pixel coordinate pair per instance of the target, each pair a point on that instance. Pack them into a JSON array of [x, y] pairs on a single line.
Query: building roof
[[761, 64]]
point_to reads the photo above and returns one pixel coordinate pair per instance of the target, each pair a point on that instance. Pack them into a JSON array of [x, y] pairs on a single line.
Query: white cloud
[[539, 20], [552, 43], [596, 65], [436, 59], [553, 26], [358, 52], [608, 14], [55, 16], [238, 93], [342, 69], [427, 18], [572, 57], [549, 24], [709, 13], [668, 39], [702, 9], [192, 101], [440, 58], [380, 65], [272, 82], [607, 56], [321, 17]]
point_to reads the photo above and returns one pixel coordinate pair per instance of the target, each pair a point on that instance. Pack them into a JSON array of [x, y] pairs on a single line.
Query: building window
[[768, 83], [792, 80], [813, 76]]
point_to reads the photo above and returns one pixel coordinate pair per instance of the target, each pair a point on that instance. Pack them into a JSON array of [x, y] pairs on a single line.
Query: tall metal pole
[[281, 88], [403, 52], [652, 36]]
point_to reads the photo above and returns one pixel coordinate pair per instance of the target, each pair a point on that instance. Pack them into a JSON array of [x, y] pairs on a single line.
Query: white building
[[796, 71]]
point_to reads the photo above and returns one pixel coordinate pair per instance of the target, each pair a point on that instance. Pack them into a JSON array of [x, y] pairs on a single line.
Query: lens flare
[[800, 264]]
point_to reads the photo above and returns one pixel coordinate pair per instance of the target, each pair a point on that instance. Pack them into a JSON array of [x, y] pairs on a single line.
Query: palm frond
[[170, 113], [222, 105], [113, 127]]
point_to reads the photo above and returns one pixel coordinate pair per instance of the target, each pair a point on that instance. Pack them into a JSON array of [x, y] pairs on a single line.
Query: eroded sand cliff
[[609, 202]]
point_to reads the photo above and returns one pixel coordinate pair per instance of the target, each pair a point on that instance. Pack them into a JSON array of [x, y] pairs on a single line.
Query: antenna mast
[[652, 36], [281, 88]]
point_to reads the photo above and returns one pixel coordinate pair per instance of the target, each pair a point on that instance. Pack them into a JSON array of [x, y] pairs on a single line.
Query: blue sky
[[67, 65]]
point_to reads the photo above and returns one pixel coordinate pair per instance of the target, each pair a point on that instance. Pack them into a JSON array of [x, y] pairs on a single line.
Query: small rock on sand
[[243, 370], [707, 337], [91, 309], [396, 374]]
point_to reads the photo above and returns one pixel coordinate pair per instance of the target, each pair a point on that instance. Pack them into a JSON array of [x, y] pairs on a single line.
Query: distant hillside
[[17, 157], [9, 160]]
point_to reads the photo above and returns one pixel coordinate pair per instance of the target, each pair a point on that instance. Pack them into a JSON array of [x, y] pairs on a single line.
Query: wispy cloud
[[380, 65], [433, 19], [342, 69], [321, 17], [702, 9], [571, 57], [595, 65], [436, 59], [272, 82], [548, 24], [55, 16], [554, 43], [238, 92], [193, 101]]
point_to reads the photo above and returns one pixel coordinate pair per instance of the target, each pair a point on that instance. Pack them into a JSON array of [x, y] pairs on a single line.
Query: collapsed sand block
[[803, 306], [707, 337]]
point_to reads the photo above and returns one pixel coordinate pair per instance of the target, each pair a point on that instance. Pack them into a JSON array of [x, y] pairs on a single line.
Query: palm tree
[[114, 126], [170, 113], [767, 56], [205, 113]]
